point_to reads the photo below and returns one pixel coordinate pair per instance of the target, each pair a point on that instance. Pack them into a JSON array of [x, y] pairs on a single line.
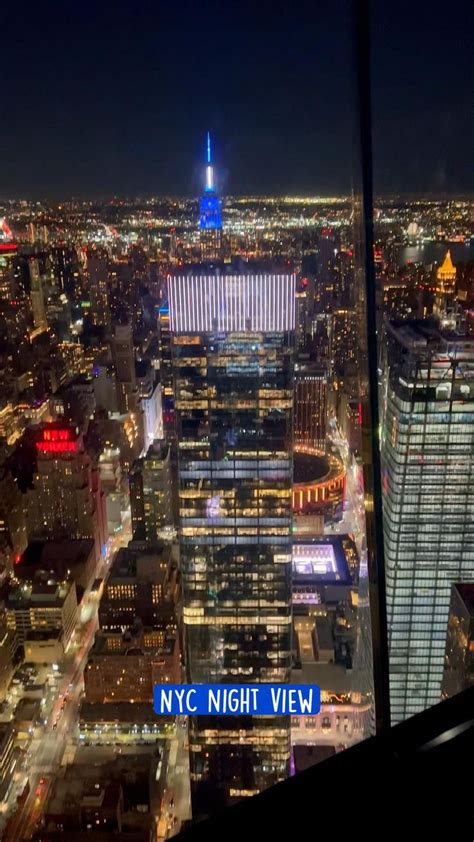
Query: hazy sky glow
[[115, 98]]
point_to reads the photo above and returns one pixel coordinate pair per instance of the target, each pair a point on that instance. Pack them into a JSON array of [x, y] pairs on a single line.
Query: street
[[47, 749]]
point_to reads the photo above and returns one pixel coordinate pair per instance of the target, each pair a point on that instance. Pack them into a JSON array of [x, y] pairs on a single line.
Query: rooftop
[[149, 565], [53, 555], [310, 467], [322, 559]]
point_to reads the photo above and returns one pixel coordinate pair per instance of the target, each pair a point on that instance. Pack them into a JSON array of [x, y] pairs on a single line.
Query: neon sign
[[57, 441]]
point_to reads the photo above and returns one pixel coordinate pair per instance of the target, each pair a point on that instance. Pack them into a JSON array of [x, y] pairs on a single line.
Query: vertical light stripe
[[170, 282], [265, 302]]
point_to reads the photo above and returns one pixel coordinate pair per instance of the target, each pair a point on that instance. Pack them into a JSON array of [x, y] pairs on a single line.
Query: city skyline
[[236, 430]]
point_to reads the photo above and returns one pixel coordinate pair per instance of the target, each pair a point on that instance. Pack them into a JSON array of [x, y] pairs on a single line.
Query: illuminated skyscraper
[[37, 296], [444, 303], [66, 498], [311, 390], [428, 497], [233, 341], [124, 361], [97, 267], [210, 214], [150, 493], [166, 372]]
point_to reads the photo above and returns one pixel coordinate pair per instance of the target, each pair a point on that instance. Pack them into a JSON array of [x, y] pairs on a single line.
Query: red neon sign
[[57, 446], [57, 435], [57, 441]]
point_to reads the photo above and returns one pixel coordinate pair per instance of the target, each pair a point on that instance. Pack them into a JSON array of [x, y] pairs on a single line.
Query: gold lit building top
[[447, 271]]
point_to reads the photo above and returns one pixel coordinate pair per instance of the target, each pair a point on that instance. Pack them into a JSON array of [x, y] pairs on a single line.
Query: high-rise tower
[[210, 213], [444, 302], [232, 339], [428, 499]]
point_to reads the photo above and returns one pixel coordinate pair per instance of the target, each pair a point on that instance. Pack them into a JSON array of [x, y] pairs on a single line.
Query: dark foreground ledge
[[418, 778]]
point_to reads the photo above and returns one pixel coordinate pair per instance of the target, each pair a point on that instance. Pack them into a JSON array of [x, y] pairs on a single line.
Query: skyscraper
[[233, 341], [97, 267], [428, 497], [150, 493], [124, 361], [66, 498], [37, 295], [444, 302], [210, 213], [310, 404]]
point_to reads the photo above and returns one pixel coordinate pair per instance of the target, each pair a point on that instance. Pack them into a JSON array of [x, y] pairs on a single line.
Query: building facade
[[233, 341], [150, 493], [125, 667], [428, 497], [66, 498], [311, 390], [98, 272]]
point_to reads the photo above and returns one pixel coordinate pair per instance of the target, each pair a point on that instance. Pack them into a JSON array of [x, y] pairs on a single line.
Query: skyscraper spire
[[210, 188], [210, 212]]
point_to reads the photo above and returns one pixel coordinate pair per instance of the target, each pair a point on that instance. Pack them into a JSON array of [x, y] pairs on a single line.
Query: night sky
[[102, 98]]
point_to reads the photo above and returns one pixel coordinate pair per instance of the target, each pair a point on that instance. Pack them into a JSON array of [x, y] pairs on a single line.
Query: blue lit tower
[[210, 213]]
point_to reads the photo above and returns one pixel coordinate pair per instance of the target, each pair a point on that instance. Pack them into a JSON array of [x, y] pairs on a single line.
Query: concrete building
[[39, 607], [44, 646], [124, 667], [97, 269], [75, 559], [124, 362], [139, 586], [7, 646], [66, 498]]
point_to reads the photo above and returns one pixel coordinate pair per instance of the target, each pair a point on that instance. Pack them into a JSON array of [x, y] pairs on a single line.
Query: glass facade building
[[428, 497], [232, 338]]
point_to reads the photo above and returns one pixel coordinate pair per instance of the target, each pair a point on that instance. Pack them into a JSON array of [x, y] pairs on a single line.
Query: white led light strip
[[259, 303]]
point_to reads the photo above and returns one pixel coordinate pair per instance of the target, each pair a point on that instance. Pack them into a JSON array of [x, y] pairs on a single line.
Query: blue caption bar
[[236, 699]]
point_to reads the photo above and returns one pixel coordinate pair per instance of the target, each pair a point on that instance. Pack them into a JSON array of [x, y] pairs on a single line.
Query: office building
[[13, 538], [8, 253], [59, 559], [151, 493], [66, 499], [233, 338], [125, 666], [444, 306], [37, 295], [7, 647], [139, 587], [210, 214], [125, 375], [311, 390], [428, 497], [166, 372], [98, 272], [39, 606], [149, 392], [459, 656]]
